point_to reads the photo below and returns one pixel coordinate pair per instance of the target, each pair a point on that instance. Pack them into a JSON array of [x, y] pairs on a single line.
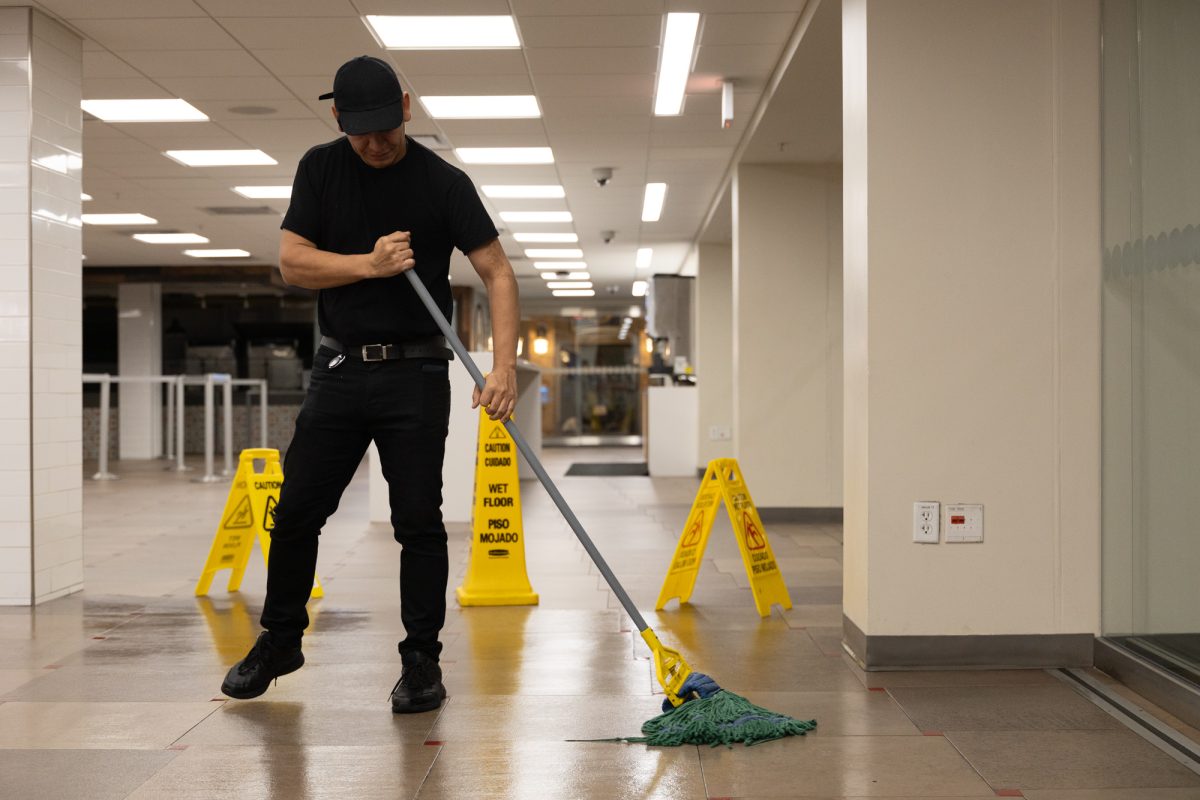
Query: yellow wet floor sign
[[723, 481], [496, 570], [248, 515]]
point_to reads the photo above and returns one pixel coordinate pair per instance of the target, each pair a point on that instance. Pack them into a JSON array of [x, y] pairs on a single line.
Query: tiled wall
[[41, 137]]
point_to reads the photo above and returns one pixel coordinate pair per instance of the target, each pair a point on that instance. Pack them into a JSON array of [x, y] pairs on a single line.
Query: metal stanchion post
[[105, 411], [262, 415], [227, 424], [168, 437], [180, 466], [208, 476]]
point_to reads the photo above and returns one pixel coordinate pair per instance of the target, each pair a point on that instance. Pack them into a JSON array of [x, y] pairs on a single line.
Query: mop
[[696, 710]]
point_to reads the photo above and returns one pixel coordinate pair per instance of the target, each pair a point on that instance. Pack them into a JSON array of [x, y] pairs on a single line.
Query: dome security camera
[[607, 236], [602, 176]]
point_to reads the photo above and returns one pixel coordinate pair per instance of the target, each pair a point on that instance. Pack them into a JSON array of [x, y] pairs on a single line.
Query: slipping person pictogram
[[364, 209]]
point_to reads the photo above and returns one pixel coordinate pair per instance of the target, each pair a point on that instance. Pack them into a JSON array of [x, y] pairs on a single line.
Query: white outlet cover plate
[[926, 516], [964, 522]]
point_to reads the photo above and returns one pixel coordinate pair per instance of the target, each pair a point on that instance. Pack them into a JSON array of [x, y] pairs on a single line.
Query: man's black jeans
[[404, 406]]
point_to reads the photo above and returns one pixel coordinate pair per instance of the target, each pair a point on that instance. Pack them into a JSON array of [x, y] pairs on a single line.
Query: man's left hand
[[499, 395]]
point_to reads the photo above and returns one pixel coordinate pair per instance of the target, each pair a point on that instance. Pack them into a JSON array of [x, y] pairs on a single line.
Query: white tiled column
[[41, 519], [714, 351], [139, 352]]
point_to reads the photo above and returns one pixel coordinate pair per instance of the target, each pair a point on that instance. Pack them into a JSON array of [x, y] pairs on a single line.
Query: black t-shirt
[[342, 205]]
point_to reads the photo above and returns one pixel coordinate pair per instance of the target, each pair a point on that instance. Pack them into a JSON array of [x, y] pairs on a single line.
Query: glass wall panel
[[1151, 129]]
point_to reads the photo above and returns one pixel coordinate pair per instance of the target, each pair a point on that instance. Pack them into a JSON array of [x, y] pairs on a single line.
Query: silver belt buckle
[[373, 352]]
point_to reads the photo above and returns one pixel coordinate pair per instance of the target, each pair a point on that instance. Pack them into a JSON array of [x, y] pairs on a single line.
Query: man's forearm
[[310, 268], [506, 318]]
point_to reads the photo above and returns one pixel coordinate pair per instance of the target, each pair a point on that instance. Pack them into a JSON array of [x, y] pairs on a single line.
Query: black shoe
[[265, 662], [420, 686]]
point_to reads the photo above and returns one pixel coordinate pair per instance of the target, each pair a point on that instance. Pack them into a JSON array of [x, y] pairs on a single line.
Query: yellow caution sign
[[496, 570], [249, 514], [723, 481]]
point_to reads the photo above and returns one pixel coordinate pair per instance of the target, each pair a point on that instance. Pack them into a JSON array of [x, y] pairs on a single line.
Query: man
[[364, 209]]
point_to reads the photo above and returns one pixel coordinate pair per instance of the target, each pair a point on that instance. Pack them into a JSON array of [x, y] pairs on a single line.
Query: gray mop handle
[[457, 345]]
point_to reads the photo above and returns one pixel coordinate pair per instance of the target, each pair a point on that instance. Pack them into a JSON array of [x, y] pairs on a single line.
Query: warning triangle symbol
[[242, 516], [269, 514], [498, 433]]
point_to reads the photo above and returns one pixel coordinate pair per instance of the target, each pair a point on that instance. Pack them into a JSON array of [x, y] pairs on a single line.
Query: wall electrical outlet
[[926, 520], [719, 433], [964, 523]]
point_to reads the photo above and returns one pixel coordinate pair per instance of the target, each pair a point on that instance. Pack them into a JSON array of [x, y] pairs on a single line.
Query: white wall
[[786, 314], [972, 312], [41, 520], [714, 349]]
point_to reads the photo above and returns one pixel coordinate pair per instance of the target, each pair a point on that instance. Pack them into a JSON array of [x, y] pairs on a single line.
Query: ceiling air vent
[[239, 211]]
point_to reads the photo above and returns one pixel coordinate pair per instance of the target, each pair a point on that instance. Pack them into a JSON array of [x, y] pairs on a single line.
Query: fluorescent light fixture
[[84, 196], [170, 238], [216, 253], [679, 43], [565, 276], [264, 192], [563, 252], [482, 106], [652, 203], [221, 158], [443, 33], [504, 155], [639, 288], [536, 216], [547, 238], [574, 293], [118, 219], [569, 285], [644, 256], [560, 265], [173, 110], [524, 192]]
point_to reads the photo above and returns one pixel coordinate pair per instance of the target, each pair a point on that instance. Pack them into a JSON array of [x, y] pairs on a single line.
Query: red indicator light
[[958, 520]]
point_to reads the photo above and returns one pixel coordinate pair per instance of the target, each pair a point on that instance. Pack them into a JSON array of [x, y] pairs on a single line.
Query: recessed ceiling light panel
[[547, 238], [564, 252], [679, 43], [574, 292], [170, 238], [216, 253], [264, 192], [524, 192], [536, 216], [443, 32], [170, 110], [509, 106], [118, 219], [652, 203], [221, 158], [504, 155], [559, 265], [644, 256]]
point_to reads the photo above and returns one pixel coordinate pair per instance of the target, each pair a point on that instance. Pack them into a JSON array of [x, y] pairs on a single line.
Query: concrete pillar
[[786, 334], [714, 352], [139, 352], [972, 319], [41, 440]]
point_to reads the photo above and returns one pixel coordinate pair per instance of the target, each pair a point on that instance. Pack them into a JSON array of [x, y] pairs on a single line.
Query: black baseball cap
[[367, 95]]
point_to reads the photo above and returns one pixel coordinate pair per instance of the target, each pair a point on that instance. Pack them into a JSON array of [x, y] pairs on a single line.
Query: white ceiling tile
[[164, 132], [269, 134], [283, 108], [592, 60], [263, 89], [157, 34], [627, 140], [122, 88], [736, 61], [418, 7], [600, 154], [116, 9], [501, 140], [634, 86], [595, 31], [94, 146], [714, 137], [483, 173], [475, 84], [558, 124], [753, 29], [504, 127], [741, 6], [554, 8], [459, 62], [607, 106], [279, 8], [308, 62], [102, 64], [194, 63], [348, 34]]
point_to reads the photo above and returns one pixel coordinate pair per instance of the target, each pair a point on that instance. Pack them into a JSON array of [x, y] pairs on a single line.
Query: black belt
[[429, 347]]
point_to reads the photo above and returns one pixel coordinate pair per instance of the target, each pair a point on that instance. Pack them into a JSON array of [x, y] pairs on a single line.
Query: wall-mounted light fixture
[[541, 345]]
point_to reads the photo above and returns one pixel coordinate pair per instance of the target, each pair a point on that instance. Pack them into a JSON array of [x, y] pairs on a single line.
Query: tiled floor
[[114, 693]]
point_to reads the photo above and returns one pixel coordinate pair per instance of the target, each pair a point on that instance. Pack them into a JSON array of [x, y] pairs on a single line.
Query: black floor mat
[[608, 470]]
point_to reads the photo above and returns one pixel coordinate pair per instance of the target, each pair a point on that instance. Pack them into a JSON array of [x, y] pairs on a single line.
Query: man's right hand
[[392, 255]]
